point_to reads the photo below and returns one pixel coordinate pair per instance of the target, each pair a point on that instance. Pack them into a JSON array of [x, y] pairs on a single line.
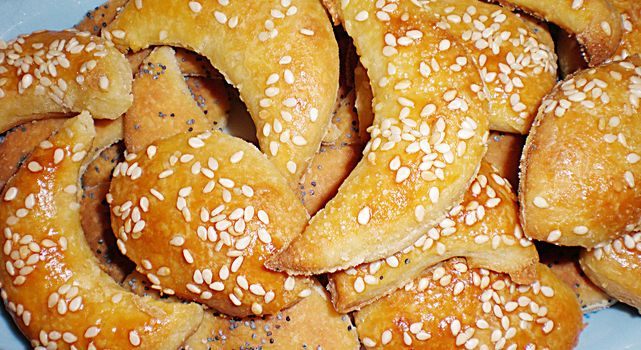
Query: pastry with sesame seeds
[[564, 262], [163, 105], [428, 139], [504, 153], [455, 306], [273, 51], [596, 24], [363, 103], [199, 215], [48, 74], [582, 160], [615, 267], [484, 228], [51, 283]]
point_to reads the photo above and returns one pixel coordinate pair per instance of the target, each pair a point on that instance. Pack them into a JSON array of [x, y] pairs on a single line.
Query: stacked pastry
[[377, 206]]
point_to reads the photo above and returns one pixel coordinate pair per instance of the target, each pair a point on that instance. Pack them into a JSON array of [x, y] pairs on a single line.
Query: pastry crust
[[199, 215], [51, 283], [273, 67], [427, 142], [581, 160], [564, 262], [453, 306], [78, 72], [484, 228], [595, 23], [615, 267], [212, 97], [504, 153], [631, 23], [163, 105]]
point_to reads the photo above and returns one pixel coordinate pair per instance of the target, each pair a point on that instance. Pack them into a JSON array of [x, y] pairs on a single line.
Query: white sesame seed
[[361, 16], [104, 82], [11, 194], [220, 17], [195, 6], [554, 236], [580, 230], [134, 339], [540, 202], [364, 215]]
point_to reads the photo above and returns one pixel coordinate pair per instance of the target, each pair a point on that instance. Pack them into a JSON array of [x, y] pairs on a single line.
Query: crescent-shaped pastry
[[453, 306], [52, 73], [581, 161], [51, 283], [595, 23], [484, 228], [504, 153], [286, 49], [163, 105], [564, 262], [615, 267], [200, 214], [428, 139]]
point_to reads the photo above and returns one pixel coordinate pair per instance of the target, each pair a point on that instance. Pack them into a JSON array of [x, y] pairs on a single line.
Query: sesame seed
[[220, 17], [386, 337], [554, 236], [11, 194], [188, 257], [540, 202], [361, 16], [104, 82], [580, 230], [606, 28], [364, 215], [369, 342], [195, 6], [134, 339], [196, 142], [257, 309]]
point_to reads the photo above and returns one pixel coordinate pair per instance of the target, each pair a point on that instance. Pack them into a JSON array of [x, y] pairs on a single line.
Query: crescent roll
[[484, 228], [615, 267], [454, 306], [581, 161], [428, 139], [200, 214], [53, 73], [272, 51], [51, 282], [596, 24]]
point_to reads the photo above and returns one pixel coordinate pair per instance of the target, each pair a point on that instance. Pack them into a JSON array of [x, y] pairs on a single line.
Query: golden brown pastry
[[515, 55], [581, 161], [108, 132], [615, 267], [453, 306], [363, 103], [564, 262], [18, 143], [200, 214], [212, 98], [484, 228], [162, 105], [48, 73], [504, 153], [272, 51], [51, 283], [427, 142], [595, 23]]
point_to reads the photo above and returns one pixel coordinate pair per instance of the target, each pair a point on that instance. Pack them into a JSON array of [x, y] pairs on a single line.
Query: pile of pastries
[[305, 174]]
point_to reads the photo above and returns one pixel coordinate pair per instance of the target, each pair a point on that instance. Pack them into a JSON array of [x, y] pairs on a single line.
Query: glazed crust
[[504, 153], [163, 105], [51, 283], [484, 228], [595, 23], [581, 159], [427, 143], [631, 23], [453, 306], [272, 67], [199, 215], [615, 267], [564, 262], [85, 74]]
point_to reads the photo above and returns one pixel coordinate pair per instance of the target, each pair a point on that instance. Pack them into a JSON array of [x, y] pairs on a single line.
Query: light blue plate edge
[[616, 328]]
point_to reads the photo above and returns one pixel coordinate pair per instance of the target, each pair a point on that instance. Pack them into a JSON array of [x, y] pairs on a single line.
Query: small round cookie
[[615, 267], [596, 24], [453, 306], [76, 72], [484, 228], [581, 164], [51, 283], [199, 215]]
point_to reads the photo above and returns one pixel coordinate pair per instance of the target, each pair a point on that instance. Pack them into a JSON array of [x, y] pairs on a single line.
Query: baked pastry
[[581, 163], [199, 215], [504, 153], [292, 48], [212, 97], [484, 228], [427, 142], [564, 262], [615, 267], [363, 102], [53, 287], [47, 74], [163, 105], [596, 24], [452, 305]]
